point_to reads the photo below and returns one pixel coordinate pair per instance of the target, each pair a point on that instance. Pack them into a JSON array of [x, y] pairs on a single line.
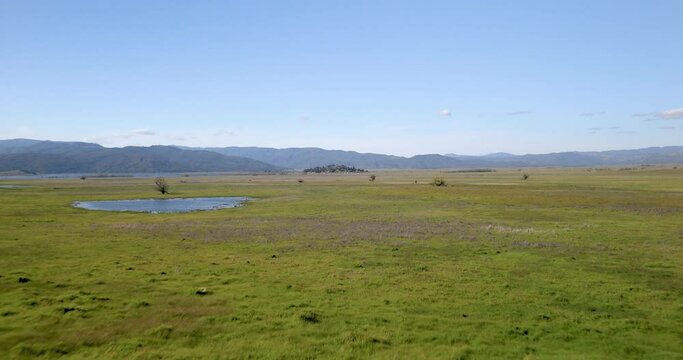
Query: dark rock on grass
[[375, 340], [519, 331], [24, 279], [202, 291], [310, 317]]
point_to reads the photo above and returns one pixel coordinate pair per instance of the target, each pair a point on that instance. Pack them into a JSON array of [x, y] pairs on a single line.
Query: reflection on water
[[177, 205]]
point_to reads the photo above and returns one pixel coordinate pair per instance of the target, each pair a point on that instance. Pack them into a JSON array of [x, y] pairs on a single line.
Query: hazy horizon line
[[345, 150]]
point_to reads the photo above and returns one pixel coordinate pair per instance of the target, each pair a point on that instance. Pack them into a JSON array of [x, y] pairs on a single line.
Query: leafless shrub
[[161, 185]]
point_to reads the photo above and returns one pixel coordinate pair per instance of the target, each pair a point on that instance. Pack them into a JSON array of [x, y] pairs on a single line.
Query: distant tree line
[[471, 171], [334, 168]]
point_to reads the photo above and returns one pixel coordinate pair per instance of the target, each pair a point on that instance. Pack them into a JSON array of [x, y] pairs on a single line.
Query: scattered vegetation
[[372, 177], [161, 185], [310, 317], [525, 176], [394, 270], [438, 181], [202, 291], [334, 169], [472, 171]]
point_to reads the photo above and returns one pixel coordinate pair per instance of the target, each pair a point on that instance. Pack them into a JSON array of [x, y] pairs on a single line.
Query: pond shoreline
[[171, 205]]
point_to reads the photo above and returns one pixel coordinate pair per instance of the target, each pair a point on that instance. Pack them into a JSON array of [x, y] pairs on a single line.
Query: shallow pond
[[177, 205], [12, 186]]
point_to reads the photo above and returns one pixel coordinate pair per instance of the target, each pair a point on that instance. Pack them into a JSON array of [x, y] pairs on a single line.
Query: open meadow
[[568, 264]]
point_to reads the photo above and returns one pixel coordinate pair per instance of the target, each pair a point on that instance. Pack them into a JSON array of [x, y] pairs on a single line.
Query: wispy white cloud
[[589, 114], [667, 127], [445, 112], [114, 138], [644, 114], [612, 129], [671, 114], [516, 113], [145, 132]]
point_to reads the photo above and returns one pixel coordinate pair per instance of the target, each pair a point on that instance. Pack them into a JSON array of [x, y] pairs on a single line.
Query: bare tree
[[161, 185]]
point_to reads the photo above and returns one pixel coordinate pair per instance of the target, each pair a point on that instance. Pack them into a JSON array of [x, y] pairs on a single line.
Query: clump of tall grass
[[438, 182], [310, 317]]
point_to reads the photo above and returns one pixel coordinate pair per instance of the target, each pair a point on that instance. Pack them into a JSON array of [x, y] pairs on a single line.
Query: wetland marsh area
[[568, 264]]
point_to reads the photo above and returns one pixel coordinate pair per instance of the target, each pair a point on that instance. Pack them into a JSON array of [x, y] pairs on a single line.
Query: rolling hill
[[301, 158], [36, 156], [49, 157]]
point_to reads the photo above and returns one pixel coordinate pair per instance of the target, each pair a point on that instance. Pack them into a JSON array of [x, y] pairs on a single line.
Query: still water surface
[[177, 205]]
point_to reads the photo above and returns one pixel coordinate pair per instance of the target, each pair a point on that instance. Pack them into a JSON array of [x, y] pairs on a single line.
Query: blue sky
[[399, 77]]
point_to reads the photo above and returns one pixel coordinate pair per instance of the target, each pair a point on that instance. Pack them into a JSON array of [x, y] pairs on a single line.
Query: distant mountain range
[[50, 157], [301, 158], [45, 157]]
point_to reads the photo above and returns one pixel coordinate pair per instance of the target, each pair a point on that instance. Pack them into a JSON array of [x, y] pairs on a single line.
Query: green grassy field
[[569, 264]]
